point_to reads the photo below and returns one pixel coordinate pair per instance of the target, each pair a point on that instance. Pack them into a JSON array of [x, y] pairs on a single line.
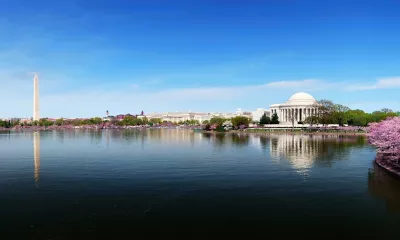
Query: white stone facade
[[299, 106], [257, 114]]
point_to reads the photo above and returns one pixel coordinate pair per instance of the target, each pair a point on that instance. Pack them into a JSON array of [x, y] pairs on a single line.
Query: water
[[169, 183]]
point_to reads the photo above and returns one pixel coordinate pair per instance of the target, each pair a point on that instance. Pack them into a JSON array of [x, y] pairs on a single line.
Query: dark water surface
[[166, 183]]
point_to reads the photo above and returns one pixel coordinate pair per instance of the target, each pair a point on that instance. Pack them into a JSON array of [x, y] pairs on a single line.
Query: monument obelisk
[[36, 105]]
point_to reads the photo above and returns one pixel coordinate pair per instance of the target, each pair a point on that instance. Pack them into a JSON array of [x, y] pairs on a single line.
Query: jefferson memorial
[[300, 105]]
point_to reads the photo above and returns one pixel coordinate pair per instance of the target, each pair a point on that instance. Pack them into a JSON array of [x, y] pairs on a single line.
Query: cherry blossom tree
[[385, 136]]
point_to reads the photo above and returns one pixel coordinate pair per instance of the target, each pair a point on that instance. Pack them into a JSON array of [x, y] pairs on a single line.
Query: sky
[[211, 56]]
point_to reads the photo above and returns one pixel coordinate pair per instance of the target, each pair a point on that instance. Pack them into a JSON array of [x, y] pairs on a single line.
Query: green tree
[[325, 109], [96, 120], [155, 120], [240, 121], [264, 119], [59, 122], [339, 114], [131, 121], [219, 121], [386, 110], [44, 122], [356, 117], [275, 119]]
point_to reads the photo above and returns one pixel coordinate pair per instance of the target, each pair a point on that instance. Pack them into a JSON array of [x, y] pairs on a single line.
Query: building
[[257, 114], [176, 117], [299, 106]]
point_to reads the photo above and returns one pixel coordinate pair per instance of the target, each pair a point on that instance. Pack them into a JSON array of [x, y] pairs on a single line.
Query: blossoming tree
[[385, 136]]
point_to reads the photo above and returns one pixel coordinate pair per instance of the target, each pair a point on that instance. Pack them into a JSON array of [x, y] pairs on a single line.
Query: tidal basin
[[172, 182]]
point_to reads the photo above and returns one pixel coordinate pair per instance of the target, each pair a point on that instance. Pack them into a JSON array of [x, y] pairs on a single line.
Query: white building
[[257, 114], [181, 116], [299, 106], [199, 116]]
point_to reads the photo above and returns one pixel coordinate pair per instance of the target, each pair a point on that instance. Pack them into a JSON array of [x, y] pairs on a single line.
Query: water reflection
[[301, 151], [384, 186], [36, 157]]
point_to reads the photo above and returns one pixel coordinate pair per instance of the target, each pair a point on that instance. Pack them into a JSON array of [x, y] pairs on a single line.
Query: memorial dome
[[301, 98]]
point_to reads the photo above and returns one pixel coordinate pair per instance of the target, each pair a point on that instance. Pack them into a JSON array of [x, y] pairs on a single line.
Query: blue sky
[[129, 56]]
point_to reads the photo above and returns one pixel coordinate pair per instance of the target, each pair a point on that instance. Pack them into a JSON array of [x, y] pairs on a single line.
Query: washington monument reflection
[[36, 157]]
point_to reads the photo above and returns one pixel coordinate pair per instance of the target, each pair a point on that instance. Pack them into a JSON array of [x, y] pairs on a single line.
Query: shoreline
[[252, 131], [388, 167], [290, 132]]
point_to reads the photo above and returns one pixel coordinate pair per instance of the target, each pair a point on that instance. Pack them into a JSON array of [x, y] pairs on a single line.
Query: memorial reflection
[[385, 187], [36, 157], [303, 151]]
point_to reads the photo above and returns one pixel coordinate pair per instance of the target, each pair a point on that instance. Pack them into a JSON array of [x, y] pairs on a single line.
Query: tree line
[[327, 112]]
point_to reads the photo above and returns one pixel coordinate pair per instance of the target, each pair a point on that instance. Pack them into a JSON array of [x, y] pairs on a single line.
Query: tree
[[155, 120], [45, 122], [219, 121], [275, 119], [339, 114], [325, 108], [386, 110], [96, 120], [131, 121], [4, 124], [59, 122], [239, 121], [311, 120], [385, 136], [205, 122], [264, 119]]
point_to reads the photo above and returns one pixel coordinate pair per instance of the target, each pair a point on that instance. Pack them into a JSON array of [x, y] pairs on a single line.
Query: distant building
[[184, 116], [257, 114], [120, 117], [299, 106]]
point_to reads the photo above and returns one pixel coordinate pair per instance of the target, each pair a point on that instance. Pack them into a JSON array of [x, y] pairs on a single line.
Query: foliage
[[131, 121], [325, 109], [44, 122], [339, 114], [59, 122], [240, 121], [361, 118], [155, 120], [385, 136], [205, 122], [264, 119], [5, 124], [219, 121], [275, 119], [191, 122]]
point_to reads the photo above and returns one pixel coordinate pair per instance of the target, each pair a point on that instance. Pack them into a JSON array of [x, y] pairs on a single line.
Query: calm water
[[146, 183]]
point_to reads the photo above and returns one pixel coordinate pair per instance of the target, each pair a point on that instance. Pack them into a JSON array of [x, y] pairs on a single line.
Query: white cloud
[[89, 102], [305, 85], [381, 83]]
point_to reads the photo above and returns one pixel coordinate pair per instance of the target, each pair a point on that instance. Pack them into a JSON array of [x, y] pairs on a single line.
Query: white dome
[[301, 98]]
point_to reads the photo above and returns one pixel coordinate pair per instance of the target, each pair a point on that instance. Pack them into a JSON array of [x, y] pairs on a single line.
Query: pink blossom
[[385, 136]]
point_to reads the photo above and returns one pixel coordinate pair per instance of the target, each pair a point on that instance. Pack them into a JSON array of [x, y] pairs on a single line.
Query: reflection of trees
[[336, 147], [264, 142], [227, 139], [384, 186], [240, 139]]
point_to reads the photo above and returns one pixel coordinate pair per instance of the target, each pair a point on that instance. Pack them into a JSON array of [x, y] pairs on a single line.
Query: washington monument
[[36, 105]]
